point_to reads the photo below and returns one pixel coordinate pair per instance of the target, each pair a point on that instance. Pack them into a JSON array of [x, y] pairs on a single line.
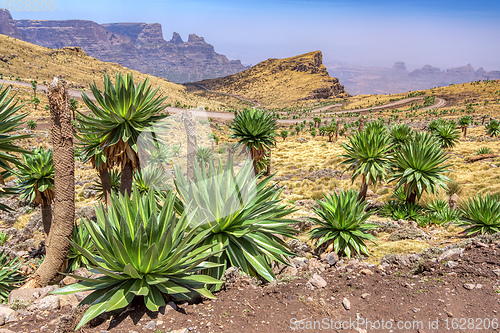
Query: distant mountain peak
[[136, 45]]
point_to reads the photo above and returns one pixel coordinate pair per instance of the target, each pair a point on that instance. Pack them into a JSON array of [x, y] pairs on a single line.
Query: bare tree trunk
[[190, 128], [268, 167], [412, 198], [64, 185], [363, 190], [106, 184], [127, 178], [46, 219]]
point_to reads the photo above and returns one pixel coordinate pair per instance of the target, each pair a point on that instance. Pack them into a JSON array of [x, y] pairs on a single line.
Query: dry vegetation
[[28, 62]]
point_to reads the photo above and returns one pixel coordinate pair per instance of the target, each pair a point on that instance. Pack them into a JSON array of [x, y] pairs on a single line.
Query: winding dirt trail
[[226, 116]]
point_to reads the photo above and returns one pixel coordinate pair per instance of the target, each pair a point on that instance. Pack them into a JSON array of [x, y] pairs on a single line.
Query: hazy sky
[[442, 33]]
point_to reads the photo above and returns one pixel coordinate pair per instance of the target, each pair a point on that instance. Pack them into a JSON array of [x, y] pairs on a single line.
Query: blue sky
[[372, 33]]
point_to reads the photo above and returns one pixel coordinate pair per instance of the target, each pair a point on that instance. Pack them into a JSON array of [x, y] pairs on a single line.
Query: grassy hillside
[[24, 62], [277, 83]]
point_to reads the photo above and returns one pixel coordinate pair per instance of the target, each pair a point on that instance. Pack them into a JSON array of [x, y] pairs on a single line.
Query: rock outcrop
[[138, 46], [276, 82], [8, 25]]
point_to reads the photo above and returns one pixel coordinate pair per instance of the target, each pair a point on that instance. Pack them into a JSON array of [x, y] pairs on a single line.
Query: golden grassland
[[32, 62]]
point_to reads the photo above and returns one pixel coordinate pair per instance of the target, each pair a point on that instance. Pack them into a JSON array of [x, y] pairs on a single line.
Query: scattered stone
[[365, 295], [6, 312], [299, 247], [151, 325], [447, 254], [479, 286], [300, 262], [366, 271], [317, 281], [496, 272], [329, 258], [451, 264], [469, 286], [408, 233], [301, 140], [314, 264], [415, 310], [51, 302], [453, 202], [449, 313], [346, 303], [68, 300], [30, 294], [182, 330]]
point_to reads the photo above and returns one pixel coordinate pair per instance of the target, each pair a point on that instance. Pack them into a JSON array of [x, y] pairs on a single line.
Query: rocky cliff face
[[7, 25], [138, 46]]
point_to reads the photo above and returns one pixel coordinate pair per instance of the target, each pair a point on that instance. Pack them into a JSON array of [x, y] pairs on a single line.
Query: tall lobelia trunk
[[126, 178], [268, 167], [190, 128], [412, 198], [363, 190], [106, 184], [64, 187], [46, 217]]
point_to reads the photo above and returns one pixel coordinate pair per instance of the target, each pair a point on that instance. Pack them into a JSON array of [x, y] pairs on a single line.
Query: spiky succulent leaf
[[119, 115], [35, 177], [244, 216], [9, 275], [481, 215], [447, 135], [341, 221], [255, 129], [493, 128], [143, 251], [367, 153], [420, 166]]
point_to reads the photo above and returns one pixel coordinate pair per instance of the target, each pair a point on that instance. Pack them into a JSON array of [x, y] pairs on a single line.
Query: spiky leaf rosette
[[493, 128], [244, 216], [367, 153], [81, 237], [255, 129], [420, 166], [481, 215], [35, 176], [89, 148], [114, 180], [341, 222], [400, 134], [143, 251], [447, 135], [119, 115], [9, 275], [10, 122]]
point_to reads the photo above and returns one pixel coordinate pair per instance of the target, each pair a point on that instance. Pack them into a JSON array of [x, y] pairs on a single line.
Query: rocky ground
[[442, 289]]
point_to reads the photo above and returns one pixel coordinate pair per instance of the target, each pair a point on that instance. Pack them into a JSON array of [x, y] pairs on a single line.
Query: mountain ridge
[[139, 46]]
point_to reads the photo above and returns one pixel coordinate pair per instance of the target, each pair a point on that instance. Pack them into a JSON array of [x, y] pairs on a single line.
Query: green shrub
[[493, 128], [80, 237], [484, 150], [341, 224], [481, 215], [32, 124], [9, 275]]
